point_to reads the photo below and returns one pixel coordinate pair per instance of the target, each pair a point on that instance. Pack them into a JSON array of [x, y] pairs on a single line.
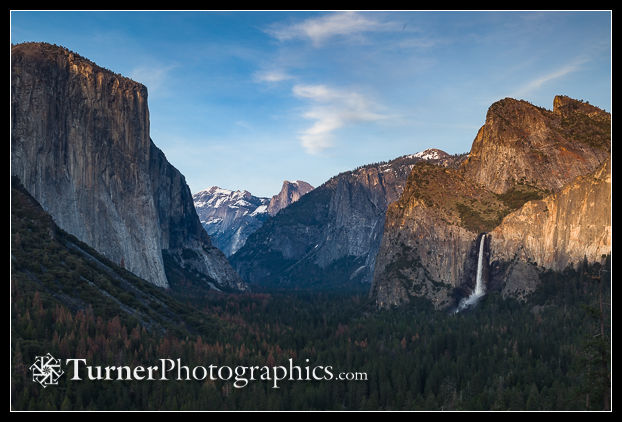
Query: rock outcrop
[[229, 217], [520, 142], [290, 193], [560, 230], [80, 145]]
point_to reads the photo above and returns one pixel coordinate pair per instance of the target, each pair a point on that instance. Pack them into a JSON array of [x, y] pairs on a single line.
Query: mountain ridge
[[330, 236]]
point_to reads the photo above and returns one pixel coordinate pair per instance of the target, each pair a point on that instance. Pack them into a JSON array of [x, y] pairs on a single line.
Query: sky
[[245, 100]]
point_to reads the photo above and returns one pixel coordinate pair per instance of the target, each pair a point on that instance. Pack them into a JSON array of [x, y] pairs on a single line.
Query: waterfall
[[480, 289], [479, 284]]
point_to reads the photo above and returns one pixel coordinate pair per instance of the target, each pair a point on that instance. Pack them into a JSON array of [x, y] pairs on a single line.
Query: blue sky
[[245, 100]]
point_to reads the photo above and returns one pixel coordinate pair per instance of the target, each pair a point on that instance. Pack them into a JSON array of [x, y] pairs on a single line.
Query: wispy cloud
[[153, 77], [322, 28], [537, 83], [244, 124], [331, 109], [272, 76]]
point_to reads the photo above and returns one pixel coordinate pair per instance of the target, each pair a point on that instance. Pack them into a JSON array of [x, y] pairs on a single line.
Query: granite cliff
[[429, 244], [80, 146], [534, 180], [520, 142], [559, 230], [290, 193]]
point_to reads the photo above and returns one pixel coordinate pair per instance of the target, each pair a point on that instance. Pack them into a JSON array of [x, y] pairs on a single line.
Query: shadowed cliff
[[80, 145]]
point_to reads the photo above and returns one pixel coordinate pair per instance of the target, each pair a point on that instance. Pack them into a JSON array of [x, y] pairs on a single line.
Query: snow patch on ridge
[[428, 154], [262, 209]]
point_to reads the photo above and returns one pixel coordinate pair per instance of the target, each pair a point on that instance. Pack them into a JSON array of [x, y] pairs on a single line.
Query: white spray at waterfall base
[[480, 289]]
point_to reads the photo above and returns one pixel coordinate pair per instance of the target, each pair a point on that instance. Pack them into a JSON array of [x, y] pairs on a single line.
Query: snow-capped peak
[[429, 154]]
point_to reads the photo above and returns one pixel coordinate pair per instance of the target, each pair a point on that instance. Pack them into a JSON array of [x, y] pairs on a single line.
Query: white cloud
[[320, 29], [272, 76], [331, 109], [537, 83]]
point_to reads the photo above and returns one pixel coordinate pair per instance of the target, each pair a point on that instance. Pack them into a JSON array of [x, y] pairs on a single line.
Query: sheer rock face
[[429, 246], [420, 255], [560, 230], [290, 193], [429, 241], [80, 145], [523, 143], [229, 217], [331, 235]]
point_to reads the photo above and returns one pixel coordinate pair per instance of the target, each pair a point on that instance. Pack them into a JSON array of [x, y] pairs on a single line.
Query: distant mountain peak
[[230, 216], [430, 154], [290, 193]]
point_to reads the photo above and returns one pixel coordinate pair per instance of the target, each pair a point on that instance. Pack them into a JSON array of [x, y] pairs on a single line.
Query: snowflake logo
[[46, 370]]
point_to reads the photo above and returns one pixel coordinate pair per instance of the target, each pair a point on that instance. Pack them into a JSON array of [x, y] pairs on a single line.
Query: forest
[[546, 354]]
